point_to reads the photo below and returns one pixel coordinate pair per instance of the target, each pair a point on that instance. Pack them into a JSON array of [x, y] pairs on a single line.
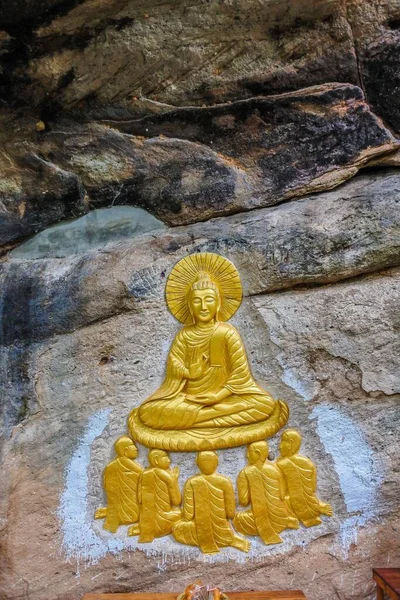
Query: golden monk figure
[[159, 496], [300, 475], [209, 398], [121, 481], [208, 504], [261, 485]]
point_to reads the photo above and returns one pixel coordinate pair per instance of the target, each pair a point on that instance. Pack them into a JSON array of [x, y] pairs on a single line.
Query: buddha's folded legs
[[179, 413], [237, 410]]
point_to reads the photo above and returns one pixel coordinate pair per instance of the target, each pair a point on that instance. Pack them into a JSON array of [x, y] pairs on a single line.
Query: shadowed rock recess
[[133, 133]]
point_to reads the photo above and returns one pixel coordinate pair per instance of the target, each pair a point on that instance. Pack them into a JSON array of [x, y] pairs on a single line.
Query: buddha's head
[[257, 452], [159, 459], [204, 299], [207, 462], [124, 446], [290, 442]]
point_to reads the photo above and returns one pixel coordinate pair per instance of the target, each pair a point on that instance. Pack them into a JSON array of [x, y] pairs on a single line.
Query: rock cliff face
[[133, 133]]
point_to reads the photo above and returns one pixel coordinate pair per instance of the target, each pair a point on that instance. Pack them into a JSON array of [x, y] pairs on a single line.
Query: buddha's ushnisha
[[209, 398]]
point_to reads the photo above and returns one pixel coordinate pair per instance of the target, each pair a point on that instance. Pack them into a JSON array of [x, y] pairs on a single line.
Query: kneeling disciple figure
[[159, 497], [300, 477], [261, 485], [121, 481], [208, 504]]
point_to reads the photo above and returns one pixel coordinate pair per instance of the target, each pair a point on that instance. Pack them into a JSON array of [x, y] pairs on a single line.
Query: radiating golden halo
[[185, 272]]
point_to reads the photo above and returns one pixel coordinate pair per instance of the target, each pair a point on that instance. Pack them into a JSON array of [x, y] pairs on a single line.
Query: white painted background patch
[[358, 471], [85, 540], [80, 539]]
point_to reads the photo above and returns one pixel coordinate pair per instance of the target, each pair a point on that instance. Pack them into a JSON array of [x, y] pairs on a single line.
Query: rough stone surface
[[363, 348], [86, 382], [381, 76], [85, 339], [94, 231], [228, 121], [340, 234], [92, 53], [34, 194], [291, 144], [192, 163], [113, 52]]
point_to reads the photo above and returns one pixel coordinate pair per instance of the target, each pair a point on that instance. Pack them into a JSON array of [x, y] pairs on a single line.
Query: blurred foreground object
[[200, 591]]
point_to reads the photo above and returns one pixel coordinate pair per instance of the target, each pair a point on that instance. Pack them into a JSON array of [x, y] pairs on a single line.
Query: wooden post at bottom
[[387, 582]]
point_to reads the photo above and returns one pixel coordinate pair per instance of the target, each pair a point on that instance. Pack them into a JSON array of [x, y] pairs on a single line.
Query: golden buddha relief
[[207, 401]]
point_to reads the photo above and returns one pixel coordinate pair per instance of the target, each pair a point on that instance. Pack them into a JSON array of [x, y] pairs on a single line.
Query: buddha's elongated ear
[[218, 307], [189, 304]]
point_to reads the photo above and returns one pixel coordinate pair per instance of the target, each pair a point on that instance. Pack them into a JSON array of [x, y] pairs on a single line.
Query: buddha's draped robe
[[121, 481], [159, 497], [264, 490], [220, 347], [301, 481], [208, 503]]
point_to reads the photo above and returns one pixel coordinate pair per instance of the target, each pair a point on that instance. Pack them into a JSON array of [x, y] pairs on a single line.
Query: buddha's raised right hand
[[196, 370]]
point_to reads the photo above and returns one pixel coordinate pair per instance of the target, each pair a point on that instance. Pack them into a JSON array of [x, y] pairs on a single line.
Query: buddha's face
[[204, 305]]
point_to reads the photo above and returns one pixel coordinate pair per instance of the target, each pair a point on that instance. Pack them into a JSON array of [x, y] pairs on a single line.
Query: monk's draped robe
[[121, 482], [208, 503], [301, 482], [220, 346], [263, 489], [159, 497]]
